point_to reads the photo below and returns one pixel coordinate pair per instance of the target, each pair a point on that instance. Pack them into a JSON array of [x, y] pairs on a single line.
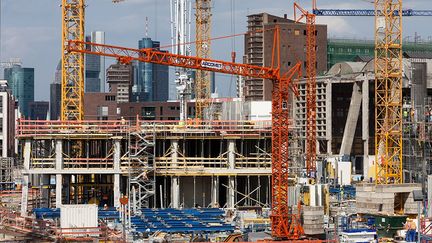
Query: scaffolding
[[7, 169], [157, 164], [417, 134]]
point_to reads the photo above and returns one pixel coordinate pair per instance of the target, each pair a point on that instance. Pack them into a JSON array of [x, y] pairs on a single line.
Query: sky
[[31, 29]]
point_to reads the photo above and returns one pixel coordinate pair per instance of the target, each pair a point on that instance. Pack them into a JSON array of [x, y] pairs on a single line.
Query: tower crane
[[285, 224], [203, 49], [72, 64], [388, 82], [311, 139]]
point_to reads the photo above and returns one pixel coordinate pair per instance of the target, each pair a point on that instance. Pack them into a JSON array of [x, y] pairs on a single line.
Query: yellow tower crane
[[203, 50], [72, 84], [388, 91]]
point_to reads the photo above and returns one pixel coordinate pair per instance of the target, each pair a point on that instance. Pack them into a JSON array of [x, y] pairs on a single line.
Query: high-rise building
[[95, 65], [8, 115], [55, 95], [120, 78], [21, 82], [258, 49], [39, 110], [152, 83]]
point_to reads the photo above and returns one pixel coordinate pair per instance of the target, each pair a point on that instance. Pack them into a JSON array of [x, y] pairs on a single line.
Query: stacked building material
[[386, 199], [313, 218]]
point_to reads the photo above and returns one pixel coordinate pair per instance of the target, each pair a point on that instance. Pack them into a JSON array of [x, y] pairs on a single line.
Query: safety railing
[[28, 128], [201, 162]]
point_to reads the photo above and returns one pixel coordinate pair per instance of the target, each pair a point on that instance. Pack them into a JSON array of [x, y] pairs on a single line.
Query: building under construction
[[325, 142]]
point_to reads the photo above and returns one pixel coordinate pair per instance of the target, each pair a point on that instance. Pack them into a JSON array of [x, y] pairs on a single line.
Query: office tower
[[21, 82]]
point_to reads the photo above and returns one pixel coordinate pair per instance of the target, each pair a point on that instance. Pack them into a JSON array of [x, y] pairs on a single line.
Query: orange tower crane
[[311, 59], [285, 224]]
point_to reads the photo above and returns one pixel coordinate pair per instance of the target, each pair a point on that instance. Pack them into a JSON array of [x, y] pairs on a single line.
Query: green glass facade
[[21, 81], [345, 50]]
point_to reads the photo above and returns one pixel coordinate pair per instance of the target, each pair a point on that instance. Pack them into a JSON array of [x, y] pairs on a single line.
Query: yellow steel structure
[[203, 50], [72, 63], [388, 91]]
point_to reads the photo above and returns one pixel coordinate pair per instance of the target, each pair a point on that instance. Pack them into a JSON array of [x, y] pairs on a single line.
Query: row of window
[[350, 50]]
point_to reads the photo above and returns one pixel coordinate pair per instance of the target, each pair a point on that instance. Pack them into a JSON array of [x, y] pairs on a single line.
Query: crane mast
[[311, 106], [72, 84], [203, 49], [388, 91]]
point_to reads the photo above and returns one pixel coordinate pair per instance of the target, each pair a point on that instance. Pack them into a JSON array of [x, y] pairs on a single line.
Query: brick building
[[259, 46]]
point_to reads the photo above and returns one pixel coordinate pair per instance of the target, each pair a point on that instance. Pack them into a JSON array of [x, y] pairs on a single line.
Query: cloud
[[337, 26], [21, 41]]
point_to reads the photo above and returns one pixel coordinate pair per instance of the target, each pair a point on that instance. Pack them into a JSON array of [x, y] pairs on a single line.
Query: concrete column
[[351, 122], [215, 191], [175, 192], [59, 189], [59, 155], [59, 167], [231, 154], [231, 192], [329, 117], [25, 181], [231, 179], [175, 180], [365, 126], [116, 186]]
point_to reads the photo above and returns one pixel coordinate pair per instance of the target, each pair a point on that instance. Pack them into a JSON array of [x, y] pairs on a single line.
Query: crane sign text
[[212, 65]]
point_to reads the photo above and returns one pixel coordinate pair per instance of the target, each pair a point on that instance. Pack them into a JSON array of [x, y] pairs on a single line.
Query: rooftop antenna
[[146, 27]]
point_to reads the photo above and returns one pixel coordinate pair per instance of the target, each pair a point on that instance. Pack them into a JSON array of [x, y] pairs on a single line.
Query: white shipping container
[[78, 216]]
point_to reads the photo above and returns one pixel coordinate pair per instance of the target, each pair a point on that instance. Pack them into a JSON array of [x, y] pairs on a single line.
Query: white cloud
[[337, 26], [21, 41]]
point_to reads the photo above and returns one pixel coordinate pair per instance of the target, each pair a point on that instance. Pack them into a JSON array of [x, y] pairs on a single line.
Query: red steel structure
[[285, 224], [311, 106]]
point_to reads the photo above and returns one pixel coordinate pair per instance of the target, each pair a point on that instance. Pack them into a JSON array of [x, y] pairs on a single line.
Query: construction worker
[[410, 227]]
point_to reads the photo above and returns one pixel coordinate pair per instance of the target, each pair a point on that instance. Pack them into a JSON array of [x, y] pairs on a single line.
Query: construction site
[[327, 140]]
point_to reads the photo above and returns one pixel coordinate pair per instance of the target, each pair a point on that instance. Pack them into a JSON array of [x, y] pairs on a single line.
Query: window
[[103, 111], [366, 50], [110, 98], [349, 50], [296, 32], [149, 113]]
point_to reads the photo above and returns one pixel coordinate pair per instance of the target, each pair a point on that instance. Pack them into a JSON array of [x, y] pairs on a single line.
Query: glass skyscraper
[[152, 80], [95, 65], [21, 81]]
